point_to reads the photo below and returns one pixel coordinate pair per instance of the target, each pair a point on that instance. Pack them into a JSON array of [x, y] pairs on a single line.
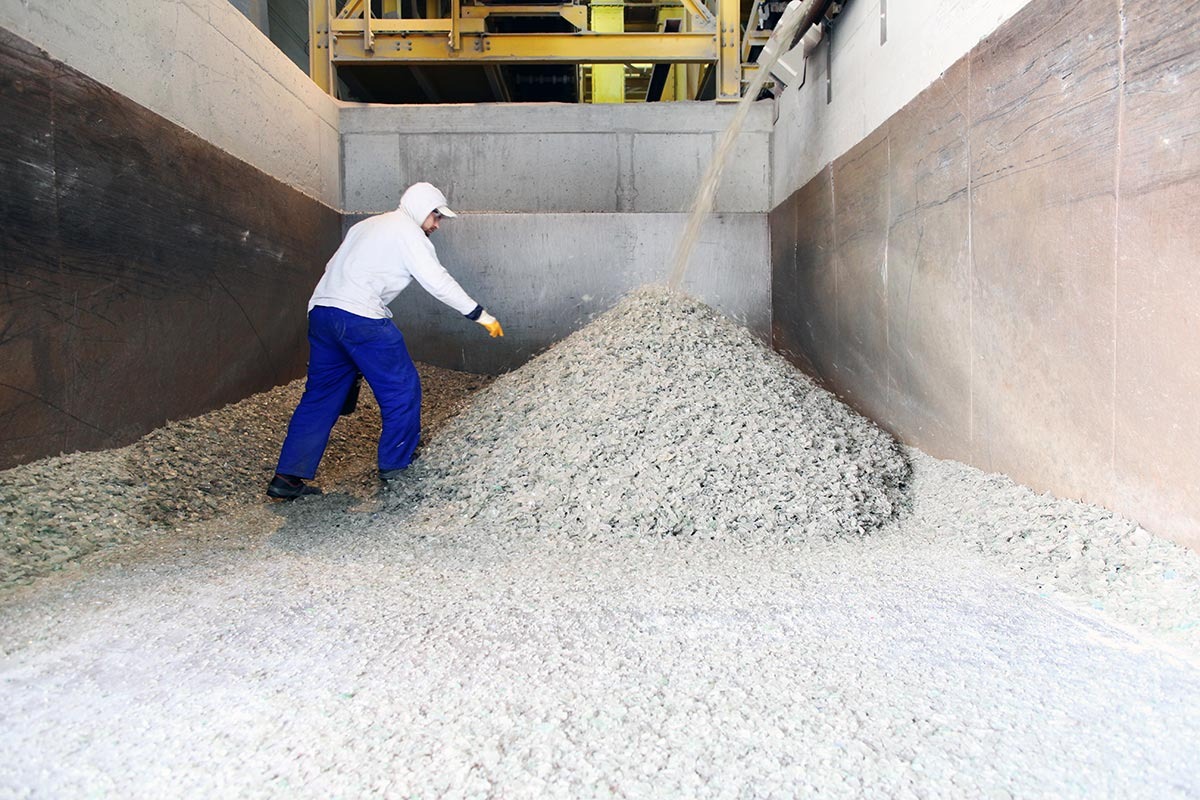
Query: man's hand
[[491, 323]]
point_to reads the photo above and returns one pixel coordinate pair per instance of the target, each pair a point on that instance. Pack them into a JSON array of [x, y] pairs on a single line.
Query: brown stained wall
[[1007, 271], [145, 275]]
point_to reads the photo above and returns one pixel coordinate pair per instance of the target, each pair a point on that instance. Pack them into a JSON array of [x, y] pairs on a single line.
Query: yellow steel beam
[[750, 72], [355, 11], [753, 39], [729, 65], [462, 38], [404, 26], [471, 21], [576, 15], [534, 48], [320, 54], [756, 13], [698, 9], [351, 9], [368, 37], [492, 9], [676, 87], [608, 80]]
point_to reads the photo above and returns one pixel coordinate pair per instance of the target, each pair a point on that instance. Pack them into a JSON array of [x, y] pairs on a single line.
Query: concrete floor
[[329, 654]]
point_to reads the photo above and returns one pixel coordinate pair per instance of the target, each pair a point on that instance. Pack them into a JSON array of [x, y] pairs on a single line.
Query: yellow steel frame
[[532, 48], [576, 15], [320, 50], [386, 27], [354, 36], [697, 9], [729, 63], [676, 88], [608, 80], [352, 8]]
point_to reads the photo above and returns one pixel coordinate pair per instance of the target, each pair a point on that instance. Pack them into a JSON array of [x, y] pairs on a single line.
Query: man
[[350, 331]]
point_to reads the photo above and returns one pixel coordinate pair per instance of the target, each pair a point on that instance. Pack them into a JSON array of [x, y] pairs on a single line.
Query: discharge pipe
[[797, 17]]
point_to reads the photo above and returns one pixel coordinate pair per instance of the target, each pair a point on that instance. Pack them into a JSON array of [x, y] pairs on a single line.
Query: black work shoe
[[389, 475], [288, 487]]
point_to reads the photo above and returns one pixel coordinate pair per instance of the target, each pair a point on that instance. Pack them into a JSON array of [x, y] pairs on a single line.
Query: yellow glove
[[491, 323]]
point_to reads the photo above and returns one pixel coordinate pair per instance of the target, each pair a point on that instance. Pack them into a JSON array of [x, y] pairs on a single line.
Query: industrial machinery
[[597, 50]]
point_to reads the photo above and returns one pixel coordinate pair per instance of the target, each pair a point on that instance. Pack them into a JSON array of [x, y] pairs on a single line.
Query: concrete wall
[[202, 65], [1004, 271], [590, 199], [151, 271], [560, 158], [546, 275], [871, 79]]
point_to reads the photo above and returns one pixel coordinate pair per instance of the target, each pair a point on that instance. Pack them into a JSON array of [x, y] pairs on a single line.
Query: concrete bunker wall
[[996, 267], [565, 208], [1003, 271], [170, 197]]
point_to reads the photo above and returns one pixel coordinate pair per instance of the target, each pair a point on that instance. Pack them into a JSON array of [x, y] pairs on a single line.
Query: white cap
[[422, 199]]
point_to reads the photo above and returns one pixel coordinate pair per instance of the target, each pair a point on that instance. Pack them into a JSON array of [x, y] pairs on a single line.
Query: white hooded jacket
[[383, 254]]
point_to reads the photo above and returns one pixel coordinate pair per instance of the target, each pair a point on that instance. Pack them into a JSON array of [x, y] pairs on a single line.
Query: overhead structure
[[356, 33]]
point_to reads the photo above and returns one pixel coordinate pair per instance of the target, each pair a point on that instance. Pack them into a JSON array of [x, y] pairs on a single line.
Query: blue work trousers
[[341, 345]]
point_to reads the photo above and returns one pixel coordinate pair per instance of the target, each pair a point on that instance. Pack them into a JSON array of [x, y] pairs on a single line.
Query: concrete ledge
[[546, 275], [694, 117], [553, 158], [203, 66]]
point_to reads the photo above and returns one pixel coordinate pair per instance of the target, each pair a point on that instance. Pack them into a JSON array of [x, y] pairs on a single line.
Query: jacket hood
[[420, 199]]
